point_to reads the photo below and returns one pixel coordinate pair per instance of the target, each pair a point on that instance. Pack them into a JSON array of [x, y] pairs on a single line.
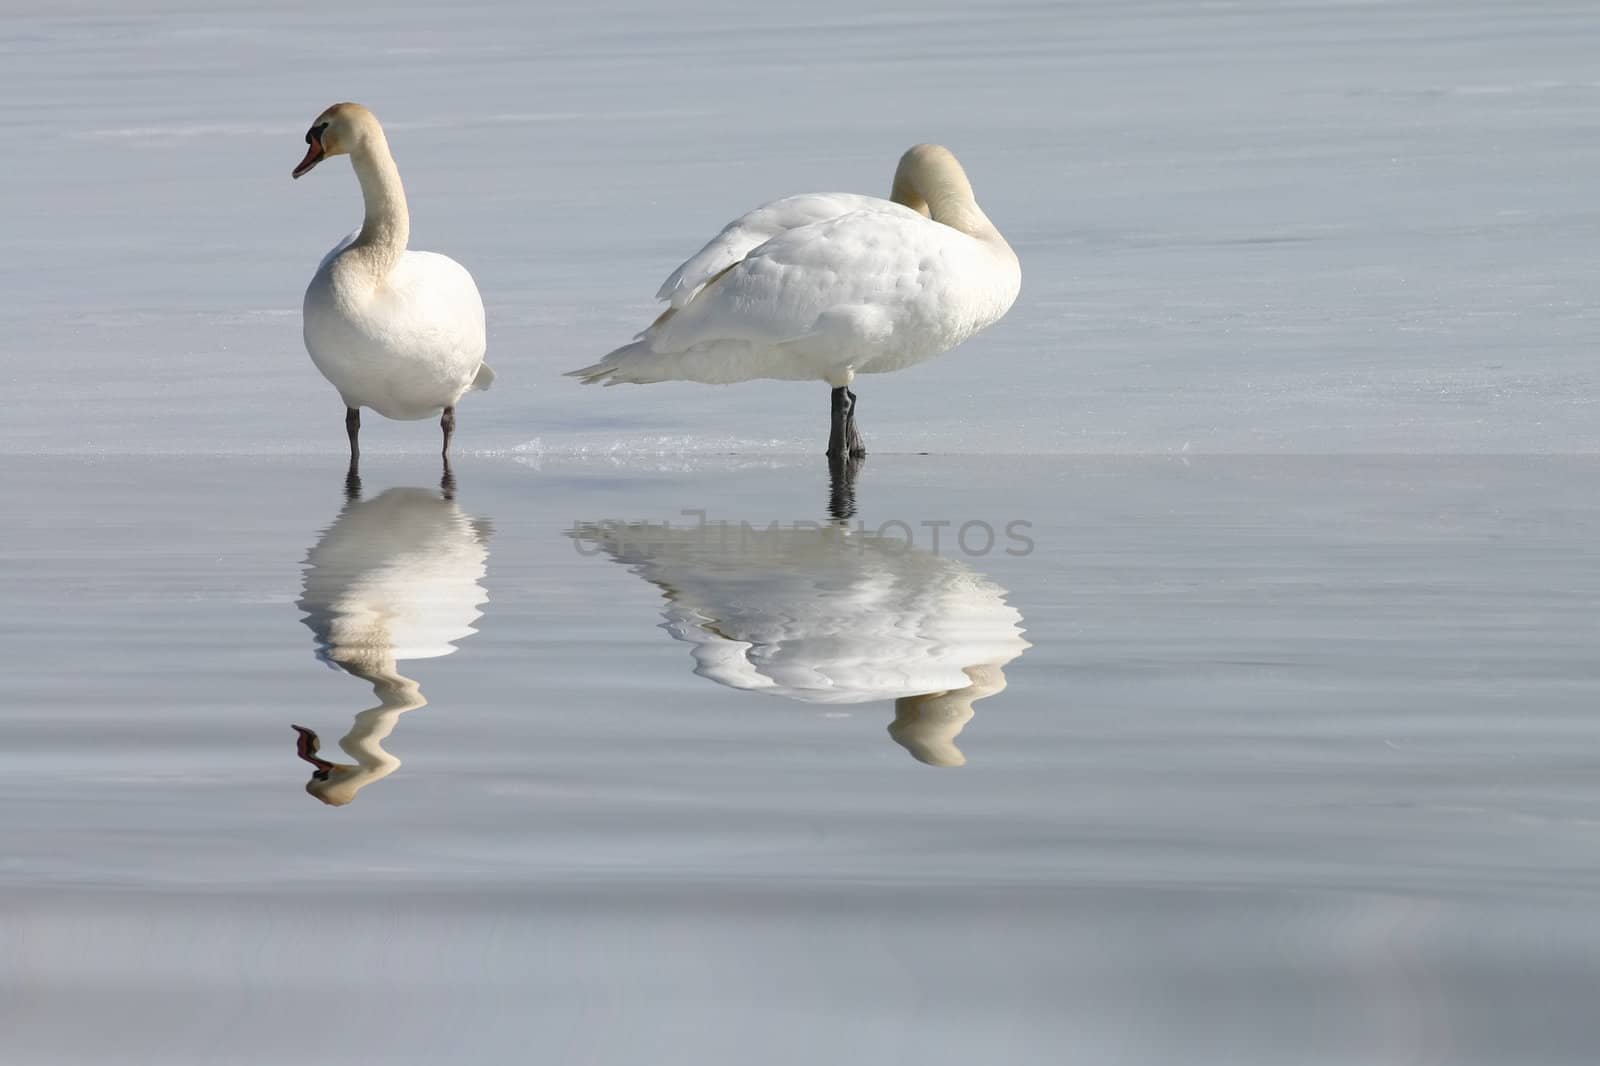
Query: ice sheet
[[1244, 227]]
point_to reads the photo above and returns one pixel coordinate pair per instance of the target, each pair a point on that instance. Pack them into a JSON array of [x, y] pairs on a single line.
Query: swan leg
[[853, 441], [352, 477], [844, 438], [447, 422]]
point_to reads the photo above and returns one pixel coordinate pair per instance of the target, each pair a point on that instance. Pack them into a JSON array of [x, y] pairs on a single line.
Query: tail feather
[[718, 362], [626, 365], [484, 379]]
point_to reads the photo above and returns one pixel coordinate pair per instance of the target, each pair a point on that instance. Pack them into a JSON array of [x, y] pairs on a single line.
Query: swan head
[[925, 171], [327, 778], [339, 130], [334, 783], [338, 786], [931, 181]]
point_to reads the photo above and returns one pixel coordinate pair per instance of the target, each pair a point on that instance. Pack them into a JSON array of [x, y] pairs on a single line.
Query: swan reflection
[[830, 616], [395, 577]]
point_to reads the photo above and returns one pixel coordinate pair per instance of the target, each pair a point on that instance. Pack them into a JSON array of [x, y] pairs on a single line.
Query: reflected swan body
[[825, 616], [395, 577]]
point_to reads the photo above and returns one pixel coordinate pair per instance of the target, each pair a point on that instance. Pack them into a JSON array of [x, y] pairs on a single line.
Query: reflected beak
[[306, 747], [314, 155]]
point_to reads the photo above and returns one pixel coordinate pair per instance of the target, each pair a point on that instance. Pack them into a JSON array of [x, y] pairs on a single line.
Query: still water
[[1228, 760]]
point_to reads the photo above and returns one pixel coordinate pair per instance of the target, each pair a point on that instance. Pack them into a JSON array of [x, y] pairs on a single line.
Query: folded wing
[[741, 236]]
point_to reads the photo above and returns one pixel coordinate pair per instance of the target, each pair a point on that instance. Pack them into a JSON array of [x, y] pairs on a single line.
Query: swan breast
[[407, 346]]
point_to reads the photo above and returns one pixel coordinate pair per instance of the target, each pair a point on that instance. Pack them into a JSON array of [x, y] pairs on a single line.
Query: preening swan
[[395, 577], [398, 331], [832, 617], [826, 286]]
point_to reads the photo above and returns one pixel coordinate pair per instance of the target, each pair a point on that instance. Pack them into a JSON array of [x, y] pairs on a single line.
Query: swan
[[399, 331], [395, 577], [830, 285], [826, 616]]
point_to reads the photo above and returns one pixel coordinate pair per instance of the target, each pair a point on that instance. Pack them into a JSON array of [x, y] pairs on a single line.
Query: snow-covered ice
[[1306, 227]]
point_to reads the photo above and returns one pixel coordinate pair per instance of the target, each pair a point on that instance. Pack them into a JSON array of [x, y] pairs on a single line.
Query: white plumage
[[406, 349], [748, 232], [398, 331], [826, 617], [396, 577], [825, 286]]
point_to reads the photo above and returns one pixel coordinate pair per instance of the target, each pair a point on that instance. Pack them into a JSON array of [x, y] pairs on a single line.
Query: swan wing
[[748, 232], [848, 279], [333, 253], [869, 291]]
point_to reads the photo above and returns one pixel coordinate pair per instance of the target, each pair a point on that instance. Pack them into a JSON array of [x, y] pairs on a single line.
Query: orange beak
[[306, 747], [314, 155]]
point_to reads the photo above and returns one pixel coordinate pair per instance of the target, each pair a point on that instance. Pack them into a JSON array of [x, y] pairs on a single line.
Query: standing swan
[[398, 331], [829, 285]]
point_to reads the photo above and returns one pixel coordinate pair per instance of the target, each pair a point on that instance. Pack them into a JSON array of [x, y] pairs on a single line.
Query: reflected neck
[[397, 694], [927, 725], [364, 742]]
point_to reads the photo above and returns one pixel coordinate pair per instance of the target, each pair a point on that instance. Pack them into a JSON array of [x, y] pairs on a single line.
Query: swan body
[[826, 617], [395, 577], [398, 331], [407, 349], [826, 286]]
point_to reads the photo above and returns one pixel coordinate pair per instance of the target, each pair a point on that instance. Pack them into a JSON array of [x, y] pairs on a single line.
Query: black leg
[[447, 422], [852, 436], [837, 444], [352, 429]]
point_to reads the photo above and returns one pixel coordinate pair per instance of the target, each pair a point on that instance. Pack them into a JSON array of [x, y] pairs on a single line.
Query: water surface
[[1297, 761]]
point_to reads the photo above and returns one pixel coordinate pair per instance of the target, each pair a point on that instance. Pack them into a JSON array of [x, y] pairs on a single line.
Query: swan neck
[[949, 198], [387, 226], [932, 183]]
